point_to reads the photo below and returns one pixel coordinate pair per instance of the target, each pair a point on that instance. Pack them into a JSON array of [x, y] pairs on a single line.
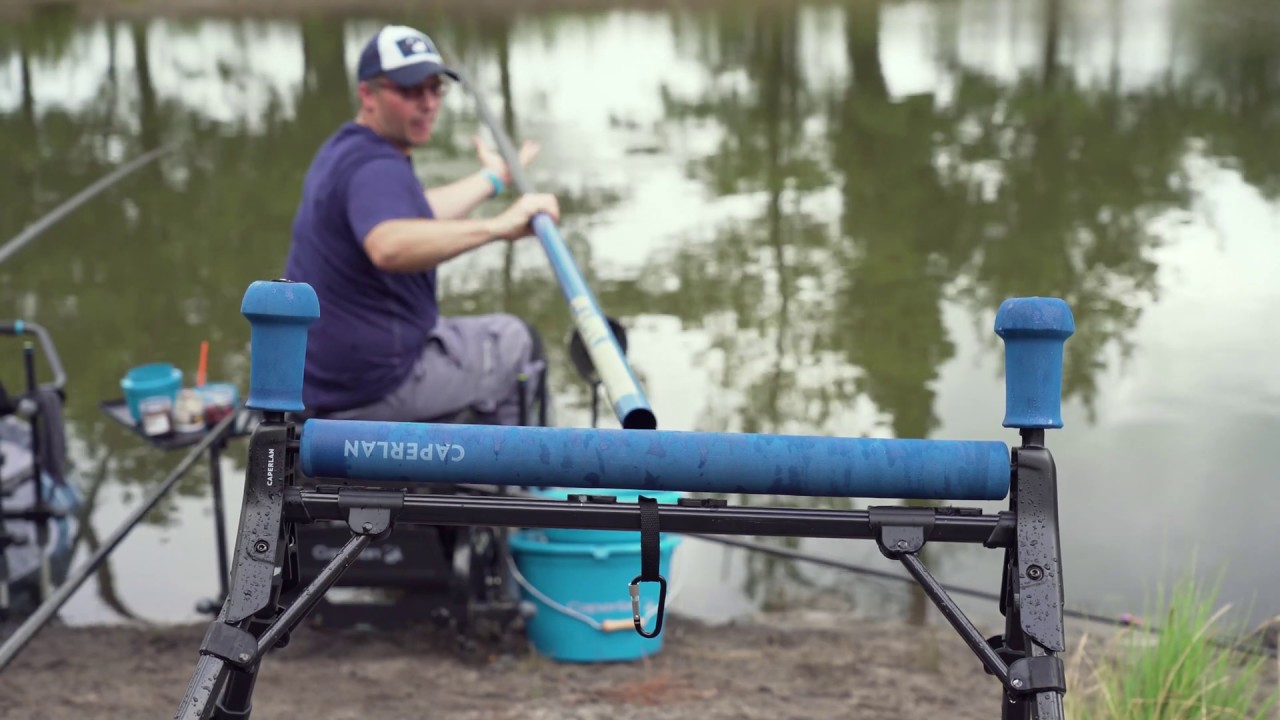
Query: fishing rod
[[32, 625], [629, 401], [53, 216], [1126, 621]]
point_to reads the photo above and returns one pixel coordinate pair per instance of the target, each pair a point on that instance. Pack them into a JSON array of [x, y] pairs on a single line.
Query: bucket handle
[[610, 625]]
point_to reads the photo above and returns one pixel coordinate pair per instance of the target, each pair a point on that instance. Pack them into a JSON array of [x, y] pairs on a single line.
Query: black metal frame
[[41, 513], [1025, 658]]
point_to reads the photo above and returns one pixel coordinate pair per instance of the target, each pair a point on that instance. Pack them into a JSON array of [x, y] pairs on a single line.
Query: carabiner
[[634, 589]]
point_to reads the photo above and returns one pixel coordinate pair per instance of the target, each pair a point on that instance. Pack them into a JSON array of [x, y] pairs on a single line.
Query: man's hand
[[513, 223], [492, 160]]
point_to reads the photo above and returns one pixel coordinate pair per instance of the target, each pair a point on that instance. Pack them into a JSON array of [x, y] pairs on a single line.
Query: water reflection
[[820, 205]]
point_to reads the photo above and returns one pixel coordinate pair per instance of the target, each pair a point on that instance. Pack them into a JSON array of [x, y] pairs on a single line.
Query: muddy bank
[[812, 664]]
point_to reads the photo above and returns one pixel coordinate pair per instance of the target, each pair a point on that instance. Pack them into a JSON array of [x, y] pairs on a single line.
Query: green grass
[[1183, 672]]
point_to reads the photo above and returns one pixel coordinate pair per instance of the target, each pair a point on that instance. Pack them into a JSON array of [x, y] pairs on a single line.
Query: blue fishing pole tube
[[660, 460], [629, 401]]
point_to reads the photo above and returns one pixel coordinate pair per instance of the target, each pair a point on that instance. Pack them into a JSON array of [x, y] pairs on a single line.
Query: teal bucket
[[580, 593], [667, 497], [154, 380]]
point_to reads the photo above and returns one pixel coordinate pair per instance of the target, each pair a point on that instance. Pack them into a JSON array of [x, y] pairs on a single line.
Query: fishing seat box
[[444, 576]]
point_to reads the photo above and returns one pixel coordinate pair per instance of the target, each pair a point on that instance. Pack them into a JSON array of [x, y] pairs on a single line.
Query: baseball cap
[[406, 56]]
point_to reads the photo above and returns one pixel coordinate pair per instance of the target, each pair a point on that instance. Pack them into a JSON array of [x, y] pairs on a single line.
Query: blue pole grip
[[629, 402], [279, 313], [655, 460], [1034, 330]]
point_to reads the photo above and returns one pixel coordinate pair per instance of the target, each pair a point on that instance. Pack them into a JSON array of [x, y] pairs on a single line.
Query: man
[[369, 238]]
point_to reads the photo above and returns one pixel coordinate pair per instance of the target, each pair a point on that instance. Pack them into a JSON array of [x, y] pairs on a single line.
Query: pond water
[[805, 214]]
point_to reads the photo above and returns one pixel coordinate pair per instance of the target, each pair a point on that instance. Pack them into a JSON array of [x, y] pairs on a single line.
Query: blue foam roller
[[1034, 331], [655, 460], [279, 313]]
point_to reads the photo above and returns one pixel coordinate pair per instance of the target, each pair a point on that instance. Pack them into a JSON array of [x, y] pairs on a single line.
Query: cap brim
[[414, 74]]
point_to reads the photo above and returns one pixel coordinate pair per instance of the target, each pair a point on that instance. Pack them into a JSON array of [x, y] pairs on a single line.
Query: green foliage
[[1185, 672]]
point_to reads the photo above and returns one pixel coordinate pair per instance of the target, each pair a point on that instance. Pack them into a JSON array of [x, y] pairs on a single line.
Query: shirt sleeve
[[384, 189]]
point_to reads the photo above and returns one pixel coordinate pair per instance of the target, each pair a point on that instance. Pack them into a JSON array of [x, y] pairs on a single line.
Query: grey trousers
[[469, 363]]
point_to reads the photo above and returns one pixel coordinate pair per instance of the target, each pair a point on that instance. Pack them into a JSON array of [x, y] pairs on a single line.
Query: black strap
[[649, 537], [650, 556]]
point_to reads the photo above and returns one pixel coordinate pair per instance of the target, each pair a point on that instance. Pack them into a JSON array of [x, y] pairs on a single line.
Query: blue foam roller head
[[1034, 331], [279, 313]]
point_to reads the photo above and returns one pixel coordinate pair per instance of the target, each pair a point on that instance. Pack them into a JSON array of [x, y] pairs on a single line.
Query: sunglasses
[[436, 89]]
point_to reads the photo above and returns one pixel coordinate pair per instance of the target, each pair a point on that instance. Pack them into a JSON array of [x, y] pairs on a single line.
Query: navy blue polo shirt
[[373, 324]]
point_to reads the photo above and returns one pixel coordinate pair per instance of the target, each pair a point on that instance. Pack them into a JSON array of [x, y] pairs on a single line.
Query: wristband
[[498, 185]]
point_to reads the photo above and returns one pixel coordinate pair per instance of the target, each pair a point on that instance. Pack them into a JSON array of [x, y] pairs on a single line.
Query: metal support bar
[[240, 646], [258, 550], [219, 516], [1039, 557], [958, 525], [954, 615], [312, 594], [207, 684], [1034, 600]]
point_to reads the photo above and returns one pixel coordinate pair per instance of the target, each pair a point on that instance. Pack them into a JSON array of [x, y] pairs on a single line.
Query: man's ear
[[365, 90]]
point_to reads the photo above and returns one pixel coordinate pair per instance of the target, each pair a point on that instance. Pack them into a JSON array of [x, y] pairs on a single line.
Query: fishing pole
[[629, 401], [37, 620], [1126, 621], [53, 216]]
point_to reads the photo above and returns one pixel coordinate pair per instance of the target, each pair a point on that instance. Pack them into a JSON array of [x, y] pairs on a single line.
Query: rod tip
[[640, 419]]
